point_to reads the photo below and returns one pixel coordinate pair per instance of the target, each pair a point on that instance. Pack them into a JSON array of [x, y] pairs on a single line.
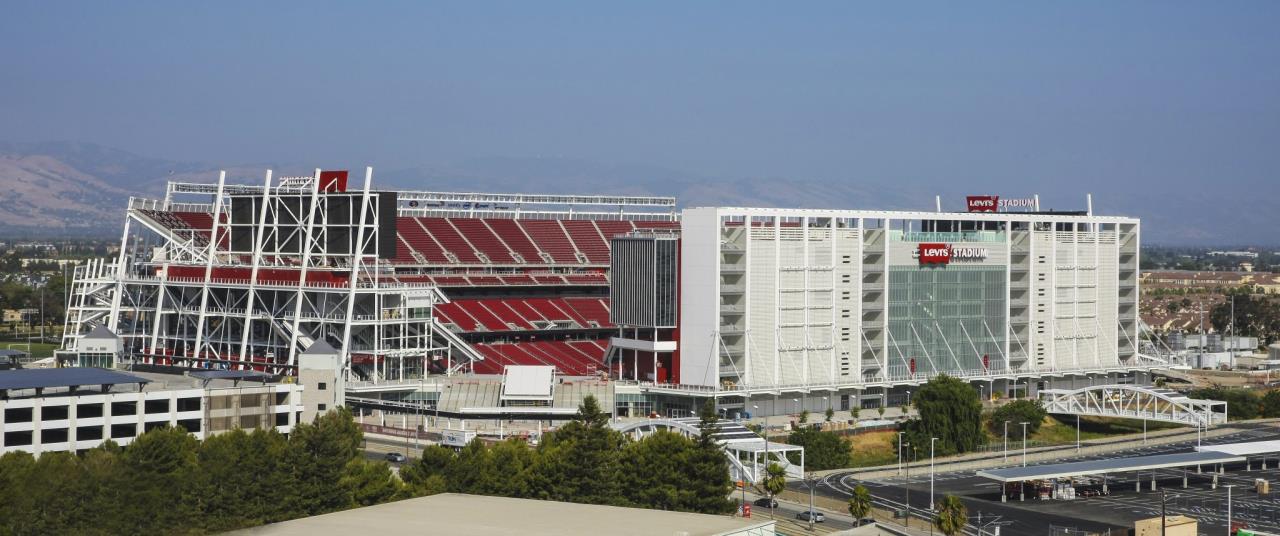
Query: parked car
[[765, 502], [395, 457], [817, 517]]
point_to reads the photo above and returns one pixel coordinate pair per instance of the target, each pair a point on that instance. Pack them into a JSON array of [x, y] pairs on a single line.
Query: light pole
[[812, 484], [1006, 442], [1144, 435], [1024, 444], [1229, 486], [931, 451], [906, 486], [900, 452]]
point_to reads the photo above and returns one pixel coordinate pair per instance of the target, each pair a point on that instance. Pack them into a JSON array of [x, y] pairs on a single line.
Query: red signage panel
[[333, 181], [934, 253], [982, 203]]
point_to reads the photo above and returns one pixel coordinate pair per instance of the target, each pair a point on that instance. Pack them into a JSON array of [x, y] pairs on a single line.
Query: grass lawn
[[38, 349], [873, 448]]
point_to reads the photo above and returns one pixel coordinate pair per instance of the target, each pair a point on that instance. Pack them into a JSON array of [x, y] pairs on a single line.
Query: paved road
[[1097, 514]]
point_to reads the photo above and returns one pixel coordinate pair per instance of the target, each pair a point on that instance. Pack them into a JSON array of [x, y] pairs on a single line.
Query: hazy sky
[[1161, 93]]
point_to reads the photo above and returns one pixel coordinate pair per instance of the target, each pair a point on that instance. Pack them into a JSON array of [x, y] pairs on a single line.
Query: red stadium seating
[[511, 233], [551, 238], [450, 239], [588, 240], [572, 358], [483, 239], [420, 240]]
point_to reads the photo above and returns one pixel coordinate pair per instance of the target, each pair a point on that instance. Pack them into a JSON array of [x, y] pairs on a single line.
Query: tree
[[775, 480], [1271, 404], [653, 471], [426, 476], [1255, 315], [948, 409], [822, 450], [830, 414], [707, 468], [951, 516], [1029, 411], [369, 482], [859, 504], [319, 453], [1241, 403], [580, 461], [804, 416], [159, 470]]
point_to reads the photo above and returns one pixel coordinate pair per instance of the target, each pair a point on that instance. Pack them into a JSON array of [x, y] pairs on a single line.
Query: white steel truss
[[1134, 402]]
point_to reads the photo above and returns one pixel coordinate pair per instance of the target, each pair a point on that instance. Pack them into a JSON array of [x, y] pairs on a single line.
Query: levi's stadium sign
[[935, 253], [993, 203]]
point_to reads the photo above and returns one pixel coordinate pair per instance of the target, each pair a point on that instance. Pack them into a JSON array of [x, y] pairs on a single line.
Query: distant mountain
[[80, 189]]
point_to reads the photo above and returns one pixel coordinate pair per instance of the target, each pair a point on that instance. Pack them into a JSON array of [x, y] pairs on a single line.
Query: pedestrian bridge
[[749, 454], [1134, 402]]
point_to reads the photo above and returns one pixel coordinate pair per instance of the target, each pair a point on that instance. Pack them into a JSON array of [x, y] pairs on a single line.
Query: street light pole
[[1006, 442], [1024, 444], [900, 452], [906, 518], [1229, 486], [931, 451]]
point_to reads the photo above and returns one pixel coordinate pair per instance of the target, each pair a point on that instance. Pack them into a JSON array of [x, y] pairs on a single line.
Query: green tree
[[822, 450], [319, 453], [369, 482], [225, 487], [804, 417], [426, 476], [16, 506], [948, 409], [707, 469], [1029, 411], [653, 471], [1241, 403], [775, 480], [160, 472], [1271, 404], [859, 504], [580, 461], [951, 516], [830, 413]]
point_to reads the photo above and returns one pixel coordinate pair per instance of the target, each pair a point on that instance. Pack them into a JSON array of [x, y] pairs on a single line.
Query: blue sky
[[1089, 94]]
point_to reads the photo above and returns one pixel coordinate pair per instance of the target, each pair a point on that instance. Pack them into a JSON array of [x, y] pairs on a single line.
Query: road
[[1096, 514]]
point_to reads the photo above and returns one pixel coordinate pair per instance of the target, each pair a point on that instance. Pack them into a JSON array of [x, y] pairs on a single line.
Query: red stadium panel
[[611, 229], [500, 309], [590, 309], [548, 309], [486, 318], [455, 315]]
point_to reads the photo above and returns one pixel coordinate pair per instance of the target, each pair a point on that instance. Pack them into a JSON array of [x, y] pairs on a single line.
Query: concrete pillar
[[1198, 471], [1215, 481], [1184, 479], [1221, 470], [1137, 484], [1153, 481], [1003, 494], [1248, 464]]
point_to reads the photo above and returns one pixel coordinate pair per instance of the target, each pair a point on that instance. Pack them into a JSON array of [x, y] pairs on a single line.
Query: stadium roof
[[527, 382], [64, 377], [452, 513], [1106, 466], [1244, 449]]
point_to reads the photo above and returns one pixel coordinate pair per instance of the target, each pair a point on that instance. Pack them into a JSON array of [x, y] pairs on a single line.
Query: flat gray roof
[[1244, 449], [1110, 465], [453, 513], [64, 377]]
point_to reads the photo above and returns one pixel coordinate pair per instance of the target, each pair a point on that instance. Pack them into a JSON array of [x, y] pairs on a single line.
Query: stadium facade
[[754, 307]]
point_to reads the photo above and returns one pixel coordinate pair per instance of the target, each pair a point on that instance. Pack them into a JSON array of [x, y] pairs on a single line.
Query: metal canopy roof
[[64, 377], [528, 382], [1110, 465], [1244, 449], [207, 375]]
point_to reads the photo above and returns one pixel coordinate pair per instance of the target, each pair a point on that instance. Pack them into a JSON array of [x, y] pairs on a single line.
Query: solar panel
[[1108, 465], [64, 377], [230, 375]]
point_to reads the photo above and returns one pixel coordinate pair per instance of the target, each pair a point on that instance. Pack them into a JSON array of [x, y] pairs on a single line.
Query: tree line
[[167, 482]]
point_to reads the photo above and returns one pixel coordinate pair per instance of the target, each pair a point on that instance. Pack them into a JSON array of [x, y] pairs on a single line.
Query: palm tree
[[774, 482], [859, 504], [951, 516]]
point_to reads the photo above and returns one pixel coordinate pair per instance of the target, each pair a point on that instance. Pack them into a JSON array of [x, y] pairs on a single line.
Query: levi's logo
[[931, 253], [982, 203]]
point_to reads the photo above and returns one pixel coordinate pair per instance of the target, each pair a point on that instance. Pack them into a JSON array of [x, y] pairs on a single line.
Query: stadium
[[433, 299]]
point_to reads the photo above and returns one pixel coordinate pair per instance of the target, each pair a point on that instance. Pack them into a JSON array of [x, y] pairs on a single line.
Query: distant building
[[72, 409]]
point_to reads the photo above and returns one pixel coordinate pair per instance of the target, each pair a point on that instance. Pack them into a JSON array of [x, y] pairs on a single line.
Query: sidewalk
[[986, 460]]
